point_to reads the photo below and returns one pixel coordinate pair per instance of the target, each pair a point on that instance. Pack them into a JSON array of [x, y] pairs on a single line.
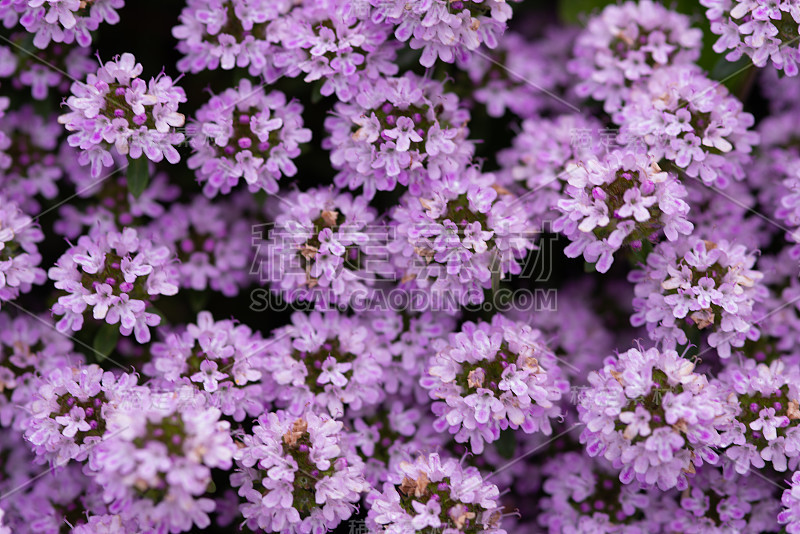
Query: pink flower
[[208, 375], [73, 422]]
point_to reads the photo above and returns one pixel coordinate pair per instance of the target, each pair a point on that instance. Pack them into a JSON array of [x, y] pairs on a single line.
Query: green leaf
[[138, 175], [316, 92], [734, 75], [506, 444], [575, 11], [198, 300], [105, 340], [494, 268], [639, 257], [723, 68], [43, 108], [153, 309]]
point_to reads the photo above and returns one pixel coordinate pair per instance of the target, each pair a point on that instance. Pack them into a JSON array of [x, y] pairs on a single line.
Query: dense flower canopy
[[367, 266]]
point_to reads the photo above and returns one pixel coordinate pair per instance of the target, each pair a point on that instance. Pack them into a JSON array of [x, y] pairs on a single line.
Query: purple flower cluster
[[335, 42], [628, 43], [778, 157], [28, 346], [45, 502], [492, 376], [295, 476], [223, 360], [514, 76], [321, 246], [326, 363], [766, 411], [408, 338], [61, 21], [652, 417], [451, 241], [211, 245], [404, 130], [584, 495], [764, 31], [435, 493], [115, 107], [790, 515], [116, 275], [538, 159], [107, 203], [388, 434], [156, 459], [71, 408], [682, 116], [29, 163], [19, 253], [245, 133], [622, 200], [445, 30], [33, 68], [226, 34], [694, 285], [719, 501]]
